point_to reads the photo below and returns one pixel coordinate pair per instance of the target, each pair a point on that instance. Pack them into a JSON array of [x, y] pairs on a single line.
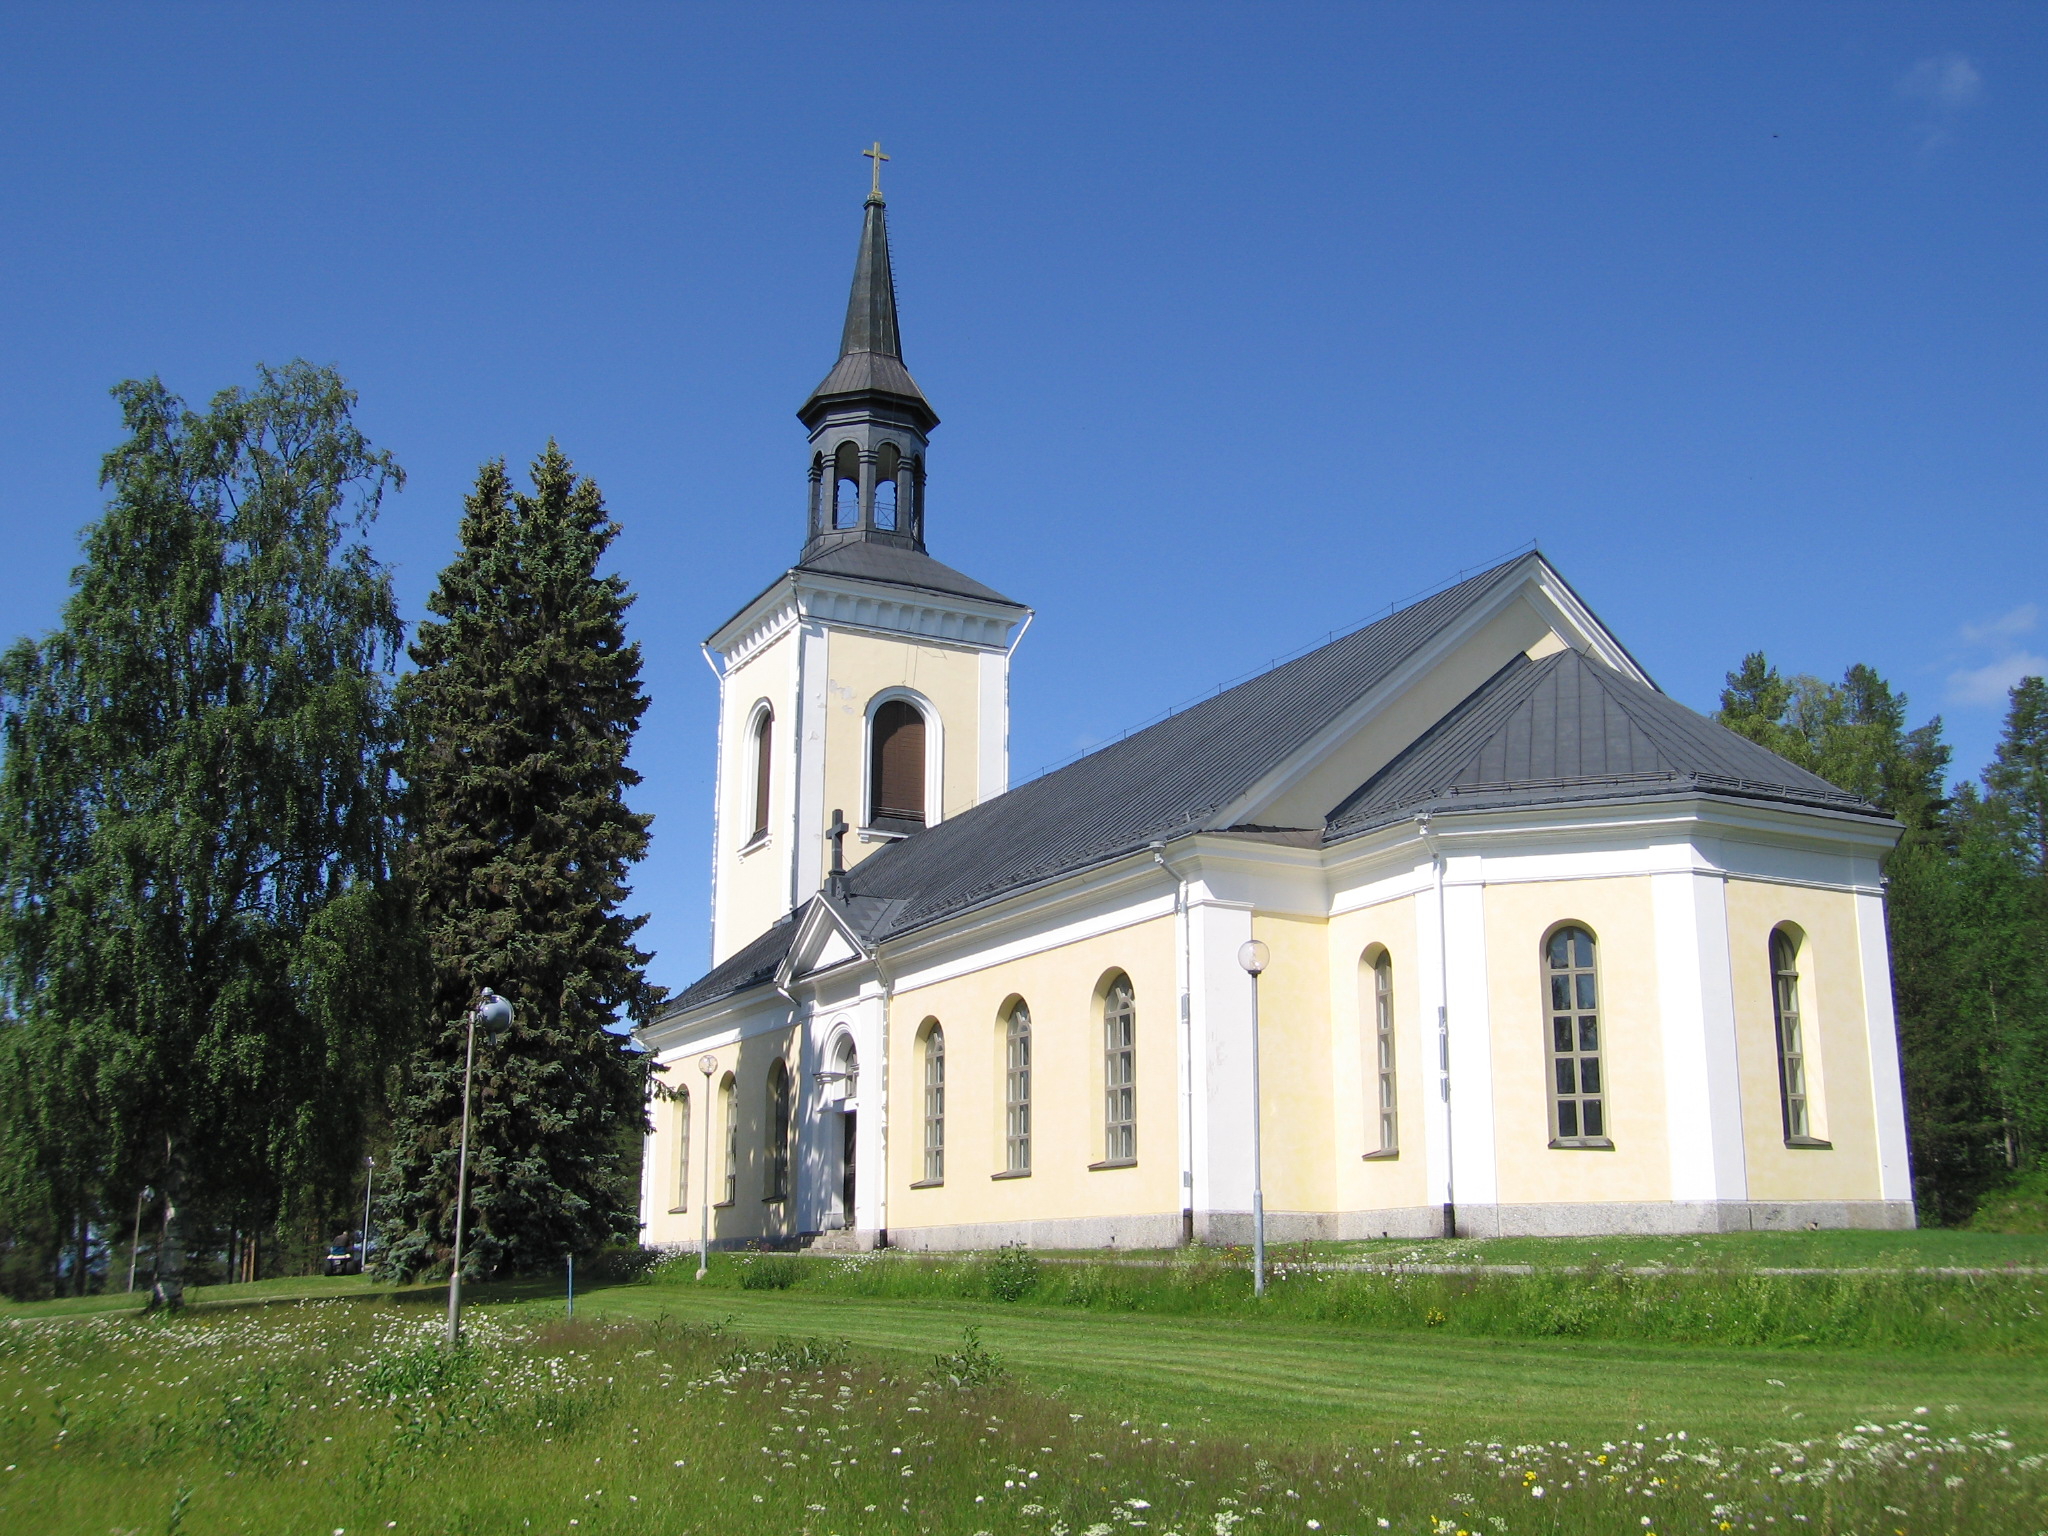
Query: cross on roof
[[837, 832], [875, 154]]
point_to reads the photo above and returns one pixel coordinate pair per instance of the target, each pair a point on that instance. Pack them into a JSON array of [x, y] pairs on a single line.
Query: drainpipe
[[1187, 1049], [1443, 1025]]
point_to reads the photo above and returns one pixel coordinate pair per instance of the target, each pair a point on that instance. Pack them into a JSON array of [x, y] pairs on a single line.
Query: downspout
[[1443, 1025], [1187, 1048], [882, 1189]]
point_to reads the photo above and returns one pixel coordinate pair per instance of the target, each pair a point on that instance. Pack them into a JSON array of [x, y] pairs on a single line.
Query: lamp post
[[1253, 955], [495, 1014], [707, 1065], [369, 1183]]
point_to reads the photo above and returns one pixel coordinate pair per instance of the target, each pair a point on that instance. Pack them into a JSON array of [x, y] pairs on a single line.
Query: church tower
[[868, 680]]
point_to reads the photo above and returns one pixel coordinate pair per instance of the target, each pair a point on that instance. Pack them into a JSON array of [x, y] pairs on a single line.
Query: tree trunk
[[168, 1291], [82, 1255]]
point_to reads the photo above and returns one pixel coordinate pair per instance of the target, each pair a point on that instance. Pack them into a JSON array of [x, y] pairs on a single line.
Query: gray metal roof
[[869, 560], [751, 966], [1560, 729], [1570, 728], [1157, 782]]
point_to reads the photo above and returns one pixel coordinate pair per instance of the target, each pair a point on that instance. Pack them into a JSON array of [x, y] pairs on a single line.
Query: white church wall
[[750, 888]]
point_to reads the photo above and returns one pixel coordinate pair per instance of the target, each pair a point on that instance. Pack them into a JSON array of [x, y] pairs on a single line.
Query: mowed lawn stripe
[[1315, 1379]]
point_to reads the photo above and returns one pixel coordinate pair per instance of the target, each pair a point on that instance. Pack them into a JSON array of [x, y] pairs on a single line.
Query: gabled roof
[[1568, 728], [1158, 782], [1563, 728]]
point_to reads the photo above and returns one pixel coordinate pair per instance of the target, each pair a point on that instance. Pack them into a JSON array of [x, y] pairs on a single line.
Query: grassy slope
[[1280, 1380]]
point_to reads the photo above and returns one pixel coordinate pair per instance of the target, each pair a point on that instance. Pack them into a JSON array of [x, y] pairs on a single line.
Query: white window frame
[[934, 762]]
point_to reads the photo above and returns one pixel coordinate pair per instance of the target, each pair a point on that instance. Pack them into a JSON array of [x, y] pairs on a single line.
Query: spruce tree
[[199, 942], [519, 720]]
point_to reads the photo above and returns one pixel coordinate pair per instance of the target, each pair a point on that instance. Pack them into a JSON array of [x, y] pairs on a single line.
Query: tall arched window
[[1017, 1091], [935, 1104], [1384, 1135], [1791, 1043], [1578, 1093], [728, 1114], [778, 1131], [896, 765], [846, 487], [887, 463], [1119, 1073], [764, 761], [679, 1120]]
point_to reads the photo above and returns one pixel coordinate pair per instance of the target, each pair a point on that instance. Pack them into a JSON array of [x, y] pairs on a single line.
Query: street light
[[707, 1065], [369, 1183], [495, 1014], [1253, 955]]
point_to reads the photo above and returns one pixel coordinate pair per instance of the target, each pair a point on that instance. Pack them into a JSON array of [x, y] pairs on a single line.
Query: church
[[1544, 951]]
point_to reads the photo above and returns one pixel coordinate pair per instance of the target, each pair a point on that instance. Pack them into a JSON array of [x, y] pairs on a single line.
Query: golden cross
[[878, 157]]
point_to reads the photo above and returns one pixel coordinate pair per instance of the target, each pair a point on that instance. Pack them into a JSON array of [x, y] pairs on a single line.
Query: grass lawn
[[823, 1408], [1933, 1248]]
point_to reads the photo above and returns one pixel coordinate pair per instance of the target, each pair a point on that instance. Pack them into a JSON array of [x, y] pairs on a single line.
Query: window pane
[[1565, 1084], [1560, 951], [1593, 1121], [1561, 1034], [1589, 1074], [1560, 992], [1586, 998], [1582, 942], [1589, 1034], [1567, 1118]]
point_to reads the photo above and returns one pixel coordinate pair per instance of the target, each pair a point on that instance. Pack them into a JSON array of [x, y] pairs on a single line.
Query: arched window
[[1384, 1136], [1017, 1090], [1791, 1044], [778, 1131], [935, 1104], [887, 462], [1578, 1093], [764, 761], [728, 1113], [679, 1120], [846, 487], [1119, 1073], [896, 765]]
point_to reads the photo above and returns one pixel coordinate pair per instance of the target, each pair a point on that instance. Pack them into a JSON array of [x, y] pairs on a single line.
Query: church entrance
[[849, 1141]]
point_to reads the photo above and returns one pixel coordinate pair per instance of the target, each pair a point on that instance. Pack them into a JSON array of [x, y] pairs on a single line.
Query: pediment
[[1537, 615], [823, 942]]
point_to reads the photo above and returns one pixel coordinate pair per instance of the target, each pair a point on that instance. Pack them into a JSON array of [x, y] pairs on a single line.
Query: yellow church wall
[[859, 666], [748, 1214], [1063, 988], [1841, 1106], [1295, 1029], [1621, 916], [754, 881], [1376, 1183]]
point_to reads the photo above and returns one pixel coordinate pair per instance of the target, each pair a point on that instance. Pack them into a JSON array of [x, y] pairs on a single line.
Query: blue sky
[[1244, 320]]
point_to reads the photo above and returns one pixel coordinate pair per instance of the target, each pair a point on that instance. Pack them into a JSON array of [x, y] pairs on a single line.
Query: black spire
[[868, 420], [870, 366]]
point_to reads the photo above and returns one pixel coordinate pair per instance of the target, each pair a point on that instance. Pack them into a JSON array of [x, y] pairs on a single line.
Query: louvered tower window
[[764, 759], [896, 765]]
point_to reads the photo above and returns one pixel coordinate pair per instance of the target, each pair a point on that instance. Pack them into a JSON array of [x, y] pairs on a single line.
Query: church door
[[850, 1118]]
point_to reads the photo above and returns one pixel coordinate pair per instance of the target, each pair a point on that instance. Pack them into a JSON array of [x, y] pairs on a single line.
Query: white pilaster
[[1431, 974], [1887, 1086], [992, 726], [1471, 1033], [813, 689], [1696, 1007], [1220, 1031]]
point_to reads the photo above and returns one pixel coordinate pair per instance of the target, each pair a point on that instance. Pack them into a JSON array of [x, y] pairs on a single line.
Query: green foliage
[[769, 1271], [202, 955], [1013, 1273], [518, 724], [973, 1364], [1967, 902]]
